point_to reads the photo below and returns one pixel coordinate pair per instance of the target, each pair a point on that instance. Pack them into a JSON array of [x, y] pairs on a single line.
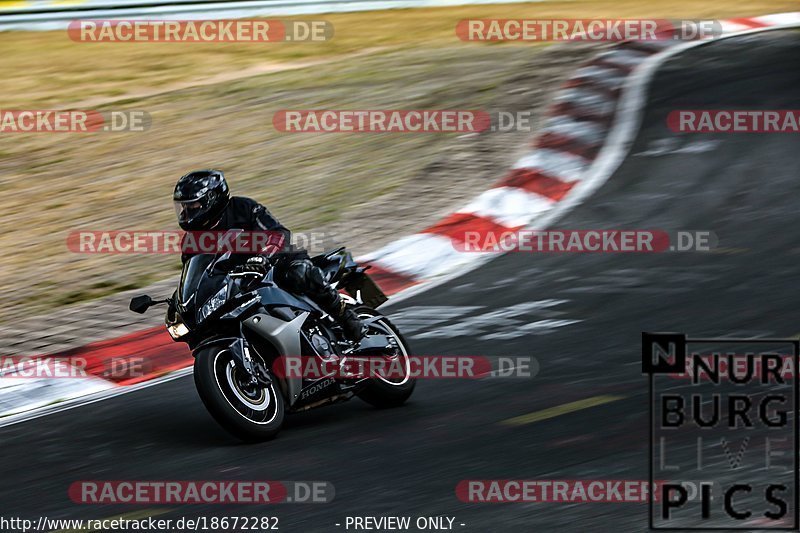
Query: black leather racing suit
[[294, 271]]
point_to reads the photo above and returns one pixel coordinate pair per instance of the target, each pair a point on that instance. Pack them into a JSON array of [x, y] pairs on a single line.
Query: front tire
[[249, 413], [393, 392]]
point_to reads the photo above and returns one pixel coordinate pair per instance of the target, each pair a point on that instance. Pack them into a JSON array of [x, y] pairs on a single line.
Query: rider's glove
[[257, 264]]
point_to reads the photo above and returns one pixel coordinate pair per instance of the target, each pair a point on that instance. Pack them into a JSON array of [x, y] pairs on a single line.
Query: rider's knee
[[296, 275]]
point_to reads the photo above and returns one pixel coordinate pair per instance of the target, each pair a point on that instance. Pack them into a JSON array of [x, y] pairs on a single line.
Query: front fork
[[254, 369]]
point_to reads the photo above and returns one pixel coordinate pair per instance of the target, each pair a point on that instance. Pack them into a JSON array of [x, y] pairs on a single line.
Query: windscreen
[[192, 272]]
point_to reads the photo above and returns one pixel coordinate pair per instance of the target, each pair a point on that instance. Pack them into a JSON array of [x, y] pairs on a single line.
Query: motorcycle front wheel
[[252, 413]]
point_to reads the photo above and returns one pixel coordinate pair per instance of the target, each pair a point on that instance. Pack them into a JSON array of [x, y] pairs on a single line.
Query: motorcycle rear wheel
[[386, 392]]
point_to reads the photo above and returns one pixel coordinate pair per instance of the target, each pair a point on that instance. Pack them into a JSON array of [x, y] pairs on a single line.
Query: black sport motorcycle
[[242, 328]]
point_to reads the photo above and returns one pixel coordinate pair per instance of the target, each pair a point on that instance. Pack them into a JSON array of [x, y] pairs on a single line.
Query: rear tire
[[388, 393], [251, 414]]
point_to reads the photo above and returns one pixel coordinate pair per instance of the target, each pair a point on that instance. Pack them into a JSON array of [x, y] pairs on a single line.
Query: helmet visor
[[190, 211]]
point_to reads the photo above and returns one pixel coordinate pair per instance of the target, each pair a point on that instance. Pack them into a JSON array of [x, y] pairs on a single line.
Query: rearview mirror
[[140, 304]]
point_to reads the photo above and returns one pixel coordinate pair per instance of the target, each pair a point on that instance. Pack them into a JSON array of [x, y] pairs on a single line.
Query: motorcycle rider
[[203, 202]]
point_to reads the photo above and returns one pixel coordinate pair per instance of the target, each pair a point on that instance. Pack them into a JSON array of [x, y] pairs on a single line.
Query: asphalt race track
[[408, 461]]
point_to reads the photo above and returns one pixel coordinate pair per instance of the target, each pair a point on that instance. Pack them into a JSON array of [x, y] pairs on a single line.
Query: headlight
[[176, 331], [214, 303]]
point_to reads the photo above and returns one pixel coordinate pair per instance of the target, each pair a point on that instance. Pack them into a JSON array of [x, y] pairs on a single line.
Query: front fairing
[[198, 283], [273, 296]]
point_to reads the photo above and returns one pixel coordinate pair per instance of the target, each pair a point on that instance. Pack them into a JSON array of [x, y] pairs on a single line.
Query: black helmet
[[201, 197]]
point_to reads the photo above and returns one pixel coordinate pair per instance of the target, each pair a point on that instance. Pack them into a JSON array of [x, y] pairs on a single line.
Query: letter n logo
[[663, 353]]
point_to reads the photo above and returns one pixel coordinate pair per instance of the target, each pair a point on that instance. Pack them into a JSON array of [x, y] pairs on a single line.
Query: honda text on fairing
[[241, 326]]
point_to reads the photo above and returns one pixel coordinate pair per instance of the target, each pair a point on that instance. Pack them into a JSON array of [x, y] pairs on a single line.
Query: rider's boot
[[354, 328], [333, 304]]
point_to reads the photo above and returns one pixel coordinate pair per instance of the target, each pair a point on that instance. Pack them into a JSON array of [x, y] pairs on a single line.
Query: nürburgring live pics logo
[[723, 432]]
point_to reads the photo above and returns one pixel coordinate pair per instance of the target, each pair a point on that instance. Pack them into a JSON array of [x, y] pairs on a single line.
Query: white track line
[[561, 165], [511, 207], [91, 398]]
